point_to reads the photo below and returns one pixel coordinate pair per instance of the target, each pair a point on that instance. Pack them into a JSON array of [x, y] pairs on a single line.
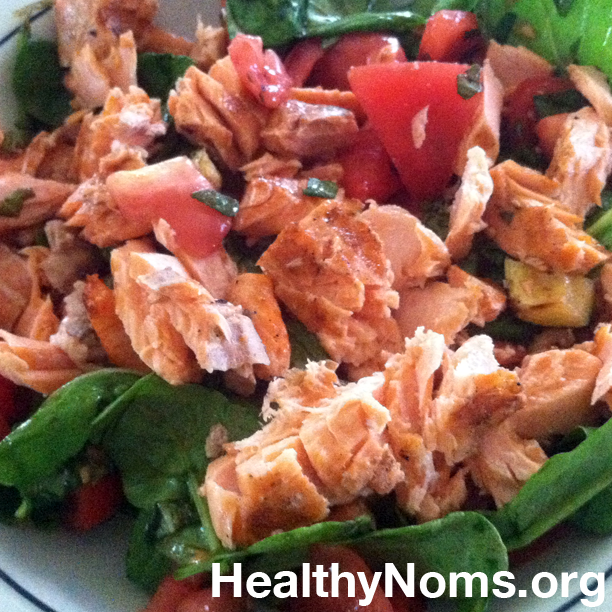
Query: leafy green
[[596, 515], [559, 102], [507, 328], [321, 189], [217, 201], [599, 223], [305, 345], [564, 483], [157, 73], [38, 83], [13, 203], [435, 215]]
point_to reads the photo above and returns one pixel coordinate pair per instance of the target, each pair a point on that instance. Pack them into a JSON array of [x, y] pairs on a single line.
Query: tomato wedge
[[164, 191], [302, 58], [448, 36], [420, 118], [203, 601], [171, 592]]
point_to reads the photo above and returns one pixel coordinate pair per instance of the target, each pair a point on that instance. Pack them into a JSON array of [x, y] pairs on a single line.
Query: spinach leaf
[[305, 345], [596, 515], [568, 101], [158, 441], [564, 483], [38, 83], [157, 73], [60, 428]]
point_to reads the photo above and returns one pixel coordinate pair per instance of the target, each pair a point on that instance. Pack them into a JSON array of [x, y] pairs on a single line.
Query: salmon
[[512, 65], [210, 45], [75, 335], [99, 301], [329, 97], [581, 160], [270, 166], [593, 85], [216, 272], [326, 172], [307, 131], [603, 350], [42, 199], [550, 407], [305, 460], [15, 287], [255, 293], [552, 338], [270, 203], [505, 462], [92, 208], [35, 364], [121, 136], [331, 271], [525, 219], [484, 132], [469, 204], [154, 39], [174, 324]]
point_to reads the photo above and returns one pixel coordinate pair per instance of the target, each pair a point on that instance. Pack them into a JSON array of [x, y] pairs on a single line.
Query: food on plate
[[323, 285]]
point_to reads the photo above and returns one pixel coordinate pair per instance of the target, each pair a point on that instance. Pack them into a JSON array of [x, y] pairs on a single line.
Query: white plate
[[65, 572]]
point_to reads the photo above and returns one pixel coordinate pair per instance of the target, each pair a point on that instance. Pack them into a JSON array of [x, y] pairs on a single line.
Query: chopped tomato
[[171, 592], [448, 36], [164, 191], [302, 58], [520, 111], [203, 601], [368, 171], [8, 408], [348, 561], [262, 73], [94, 503], [420, 118], [548, 131], [356, 49]]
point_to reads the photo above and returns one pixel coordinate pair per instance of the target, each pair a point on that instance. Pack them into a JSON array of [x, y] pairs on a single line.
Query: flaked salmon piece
[[255, 293], [326, 172], [489, 299], [269, 166], [206, 113], [508, 354], [41, 199], [331, 271], [580, 162], [216, 272], [329, 97], [593, 85], [307, 459], [484, 132], [210, 45], [99, 302], [35, 364], [527, 223], [603, 350], [552, 338], [120, 137], [76, 336], [415, 253], [154, 39], [469, 204], [306, 131], [512, 65], [270, 203], [15, 287], [92, 208], [557, 387], [505, 462]]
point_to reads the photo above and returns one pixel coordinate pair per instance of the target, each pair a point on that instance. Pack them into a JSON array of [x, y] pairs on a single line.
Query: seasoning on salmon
[[15, 287], [593, 85], [331, 271]]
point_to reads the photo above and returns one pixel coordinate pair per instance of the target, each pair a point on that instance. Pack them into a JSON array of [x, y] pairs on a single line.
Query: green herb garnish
[[221, 203], [321, 189], [12, 205], [468, 83]]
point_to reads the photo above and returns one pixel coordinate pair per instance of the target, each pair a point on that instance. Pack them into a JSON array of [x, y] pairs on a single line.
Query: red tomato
[[368, 171], [548, 131], [349, 561], [8, 409], [448, 36], [302, 59], [263, 74], [355, 49], [5, 428], [420, 118], [520, 110], [94, 503], [163, 191], [171, 592], [203, 601]]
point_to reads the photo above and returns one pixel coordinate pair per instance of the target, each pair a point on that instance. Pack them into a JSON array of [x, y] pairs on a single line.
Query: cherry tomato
[[171, 592], [302, 58], [448, 36], [164, 191], [203, 601], [262, 73]]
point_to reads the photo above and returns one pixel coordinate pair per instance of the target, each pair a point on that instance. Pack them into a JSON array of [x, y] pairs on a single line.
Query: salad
[[329, 284]]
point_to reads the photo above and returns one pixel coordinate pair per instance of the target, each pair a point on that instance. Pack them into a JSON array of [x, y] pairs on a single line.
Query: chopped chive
[[221, 203], [468, 83], [321, 189], [12, 205]]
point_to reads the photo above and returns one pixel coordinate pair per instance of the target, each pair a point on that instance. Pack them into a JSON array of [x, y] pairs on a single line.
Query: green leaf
[[568, 101], [12, 205], [468, 83], [596, 515], [169, 427], [60, 428], [38, 82], [321, 189], [305, 345], [157, 73], [217, 201], [564, 483]]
